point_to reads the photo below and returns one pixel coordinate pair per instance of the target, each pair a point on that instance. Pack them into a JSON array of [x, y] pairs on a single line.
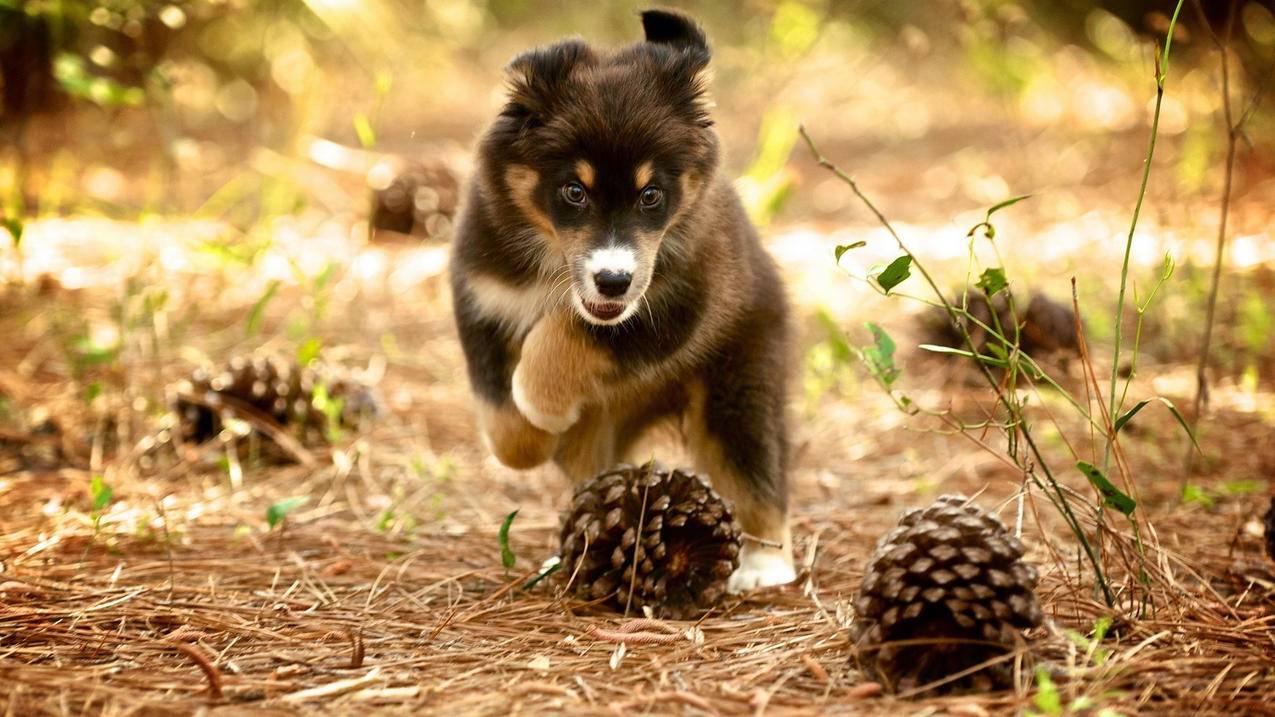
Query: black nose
[[612, 283]]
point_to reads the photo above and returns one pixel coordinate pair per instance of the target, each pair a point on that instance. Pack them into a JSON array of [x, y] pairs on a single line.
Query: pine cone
[[255, 388], [1045, 326], [670, 526], [412, 197], [952, 577], [1270, 530]]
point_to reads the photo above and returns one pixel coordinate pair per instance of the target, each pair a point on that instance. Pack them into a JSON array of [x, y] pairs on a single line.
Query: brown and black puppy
[[605, 277]]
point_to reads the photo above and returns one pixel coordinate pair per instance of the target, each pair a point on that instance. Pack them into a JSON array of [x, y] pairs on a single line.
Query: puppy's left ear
[[666, 27], [685, 69]]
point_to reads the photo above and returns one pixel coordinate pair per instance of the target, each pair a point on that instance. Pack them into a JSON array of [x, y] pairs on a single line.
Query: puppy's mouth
[[604, 310]]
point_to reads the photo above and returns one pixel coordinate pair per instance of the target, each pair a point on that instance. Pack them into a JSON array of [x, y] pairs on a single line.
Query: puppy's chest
[[516, 306]]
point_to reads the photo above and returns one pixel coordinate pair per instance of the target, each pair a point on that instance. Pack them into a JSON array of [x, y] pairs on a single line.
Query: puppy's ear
[[536, 79], [685, 68], [666, 27]]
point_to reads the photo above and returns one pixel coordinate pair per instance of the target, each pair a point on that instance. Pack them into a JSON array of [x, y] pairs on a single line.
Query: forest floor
[[384, 592]]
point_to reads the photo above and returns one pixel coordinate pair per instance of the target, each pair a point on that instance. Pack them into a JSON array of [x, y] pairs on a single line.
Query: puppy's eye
[[652, 197], [574, 194]]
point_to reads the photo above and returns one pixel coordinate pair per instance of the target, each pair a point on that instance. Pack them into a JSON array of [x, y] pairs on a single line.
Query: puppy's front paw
[[761, 567], [539, 408]]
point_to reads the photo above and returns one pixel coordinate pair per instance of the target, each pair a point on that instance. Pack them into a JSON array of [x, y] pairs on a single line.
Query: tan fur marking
[[584, 171], [643, 174], [590, 446], [516, 307], [522, 182], [515, 442], [560, 370], [758, 516]]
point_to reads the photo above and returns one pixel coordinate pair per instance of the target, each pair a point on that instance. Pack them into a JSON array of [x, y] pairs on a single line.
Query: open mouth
[[603, 311]]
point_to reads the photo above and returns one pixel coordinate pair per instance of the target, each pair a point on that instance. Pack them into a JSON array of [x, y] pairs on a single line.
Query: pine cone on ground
[[1045, 326], [255, 388], [411, 197], [1270, 530], [669, 526], [951, 578]]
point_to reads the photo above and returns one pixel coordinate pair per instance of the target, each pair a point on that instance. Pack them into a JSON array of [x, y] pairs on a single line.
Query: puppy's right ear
[[536, 78]]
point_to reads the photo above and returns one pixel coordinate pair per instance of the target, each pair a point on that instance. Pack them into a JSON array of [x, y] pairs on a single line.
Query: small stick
[[356, 642], [205, 665], [635, 637]]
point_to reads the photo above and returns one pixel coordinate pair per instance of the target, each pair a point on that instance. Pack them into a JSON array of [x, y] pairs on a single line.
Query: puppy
[[605, 277]]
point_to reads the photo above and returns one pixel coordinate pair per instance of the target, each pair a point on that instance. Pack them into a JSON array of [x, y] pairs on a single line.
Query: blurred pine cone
[[1045, 326], [260, 388], [1270, 530], [951, 578], [668, 526], [412, 197]]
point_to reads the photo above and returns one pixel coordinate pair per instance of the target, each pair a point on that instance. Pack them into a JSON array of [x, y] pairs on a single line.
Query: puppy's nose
[[612, 283]]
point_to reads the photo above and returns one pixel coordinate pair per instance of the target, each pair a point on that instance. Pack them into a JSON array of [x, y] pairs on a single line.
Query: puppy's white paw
[[761, 567], [537, 416]]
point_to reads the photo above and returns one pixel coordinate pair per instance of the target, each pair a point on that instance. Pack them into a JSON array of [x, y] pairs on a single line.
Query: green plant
[[332, 409], [100, 495], [1004, 353], [278, 512], [507, 557]]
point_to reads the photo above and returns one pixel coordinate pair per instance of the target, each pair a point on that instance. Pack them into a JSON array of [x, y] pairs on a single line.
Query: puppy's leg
[[489, 359], [559, 371], [588, 447], [737, 435], [512, 438]]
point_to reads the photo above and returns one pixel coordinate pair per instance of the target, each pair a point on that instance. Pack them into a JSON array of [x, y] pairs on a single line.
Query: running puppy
[[605, 277]]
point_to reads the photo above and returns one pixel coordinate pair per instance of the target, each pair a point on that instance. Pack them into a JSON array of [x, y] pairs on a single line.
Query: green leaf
[[100, 492], [363, 128], [989, 360], [1198, 495], [507, 556], [879, 357], [544, 573], [308, 351], [278, 511], [993, 281], [1007, 203], [1242, 487], [259, 309], [1111, 495], [1047, 698], [843, 248], [15, 228], [895, 273], [1133, 411]]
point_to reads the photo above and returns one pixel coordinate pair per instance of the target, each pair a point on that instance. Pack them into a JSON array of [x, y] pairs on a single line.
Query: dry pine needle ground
[[180, 600]]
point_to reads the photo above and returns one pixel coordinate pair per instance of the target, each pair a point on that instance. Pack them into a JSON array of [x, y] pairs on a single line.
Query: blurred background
[[184, 181], [289, 136]]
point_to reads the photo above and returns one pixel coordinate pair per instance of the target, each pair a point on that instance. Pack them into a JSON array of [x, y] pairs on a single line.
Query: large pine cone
[[950, 578], [1270, 530], [669, 526], [260, 388]]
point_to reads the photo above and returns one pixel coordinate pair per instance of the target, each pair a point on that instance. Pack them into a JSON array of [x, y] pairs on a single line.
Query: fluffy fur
[[605, 277]]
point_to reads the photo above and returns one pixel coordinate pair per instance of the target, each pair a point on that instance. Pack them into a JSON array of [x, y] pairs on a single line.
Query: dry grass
[[384, 593]]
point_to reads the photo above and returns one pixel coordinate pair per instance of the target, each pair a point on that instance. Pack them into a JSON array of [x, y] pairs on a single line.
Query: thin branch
[[1233, 130]]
